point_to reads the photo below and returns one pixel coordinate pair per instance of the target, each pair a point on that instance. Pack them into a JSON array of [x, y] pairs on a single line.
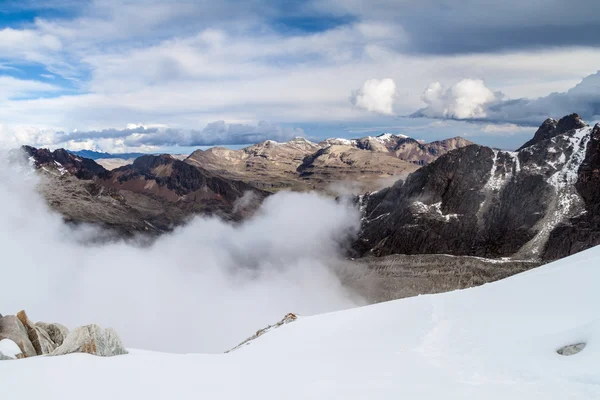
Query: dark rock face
[[551, 128], [489, 203], [583, 231], [180, 177], [82, 168]]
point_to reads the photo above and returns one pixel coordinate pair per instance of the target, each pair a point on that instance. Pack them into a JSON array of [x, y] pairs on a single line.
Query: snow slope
[[496, 341]]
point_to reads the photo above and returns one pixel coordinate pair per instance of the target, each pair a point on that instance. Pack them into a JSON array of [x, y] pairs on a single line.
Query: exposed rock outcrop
[[12, 328], [56, 332], [20, 337], [571, 349], [92, 339], [291, 317], [40, 339]]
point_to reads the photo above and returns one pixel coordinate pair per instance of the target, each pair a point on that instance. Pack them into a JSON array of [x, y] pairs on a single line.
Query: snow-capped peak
[[386, 137]]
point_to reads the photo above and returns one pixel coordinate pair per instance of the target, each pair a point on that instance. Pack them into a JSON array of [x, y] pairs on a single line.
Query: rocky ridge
[[484, 202], [153, 194], [303, 165]]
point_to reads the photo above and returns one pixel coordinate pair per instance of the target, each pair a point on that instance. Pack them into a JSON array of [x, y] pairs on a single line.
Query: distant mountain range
[[447, 197], [500, 212], [96, 155], [154, 193], [357, 165]]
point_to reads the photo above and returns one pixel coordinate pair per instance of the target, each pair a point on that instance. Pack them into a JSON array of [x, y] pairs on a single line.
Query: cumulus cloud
[[203, 288], [472, 100], [376, 95], [467, 99]]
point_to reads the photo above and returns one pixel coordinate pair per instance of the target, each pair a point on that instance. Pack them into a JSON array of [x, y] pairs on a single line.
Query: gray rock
[[92, 339], [42, 343], [57, 332], [571, 349], [12, 328]]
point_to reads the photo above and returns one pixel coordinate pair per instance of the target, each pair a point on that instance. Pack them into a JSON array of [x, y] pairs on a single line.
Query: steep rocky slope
[[154, 194], [484, 202], [302, 165], [582, 231], [269, 164], [341, 168]]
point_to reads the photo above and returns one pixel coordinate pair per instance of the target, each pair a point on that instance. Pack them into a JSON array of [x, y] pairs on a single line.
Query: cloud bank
[[376, 95], [250, 61], [149, 138], [203, 288], [473, 100]]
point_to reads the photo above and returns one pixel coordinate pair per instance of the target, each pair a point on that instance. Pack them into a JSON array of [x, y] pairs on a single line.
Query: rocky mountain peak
[[551, 128], [479, 201], [570, 122], [151, 161], [61, 161]]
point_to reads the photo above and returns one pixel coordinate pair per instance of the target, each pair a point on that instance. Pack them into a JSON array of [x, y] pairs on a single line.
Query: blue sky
[[158, 75]]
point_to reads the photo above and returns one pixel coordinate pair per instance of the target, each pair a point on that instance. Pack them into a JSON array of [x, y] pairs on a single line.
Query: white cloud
[[467, 99], [186, 64], [26, 41], [376, 96], [144, 137], [219, 281], [471, 99], [12, 87], [506, 129]]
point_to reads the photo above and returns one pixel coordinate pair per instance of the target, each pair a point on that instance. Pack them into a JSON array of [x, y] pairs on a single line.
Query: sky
[[163, 75]]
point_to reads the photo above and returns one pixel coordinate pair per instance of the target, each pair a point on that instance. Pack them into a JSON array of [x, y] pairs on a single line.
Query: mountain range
[[96, 155], [358, 165], [500, 212], [155, 193]]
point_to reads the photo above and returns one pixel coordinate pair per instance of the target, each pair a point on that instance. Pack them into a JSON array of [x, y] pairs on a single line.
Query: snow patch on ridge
[[567, 202], [435, 210]]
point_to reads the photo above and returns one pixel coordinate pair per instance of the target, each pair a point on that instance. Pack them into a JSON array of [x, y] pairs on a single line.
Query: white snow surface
[[496, 341], [9, 348]]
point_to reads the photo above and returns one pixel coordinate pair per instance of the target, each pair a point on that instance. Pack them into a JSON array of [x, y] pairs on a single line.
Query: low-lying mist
[[203, 288]]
